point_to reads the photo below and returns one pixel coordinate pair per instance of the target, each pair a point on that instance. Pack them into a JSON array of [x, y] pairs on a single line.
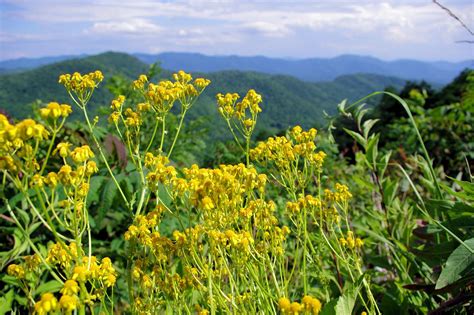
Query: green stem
[[104, 159], [247, 150], [33, 246], [177, 131], [153, 136], [163, 130], [48, 153], [234, 135]]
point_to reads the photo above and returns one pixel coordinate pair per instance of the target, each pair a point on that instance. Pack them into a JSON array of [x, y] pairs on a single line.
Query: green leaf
[[360, 113], [95, 187], [357, 137], [108, 195], [345, 303], [372, 150], [329, 308], [460, 259], [384, 163], [368, 124], [6, 302], [33, 227], [50, 286]]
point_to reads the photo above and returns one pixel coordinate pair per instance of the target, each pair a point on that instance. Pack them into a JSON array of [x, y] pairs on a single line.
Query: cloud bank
[[386, 29]]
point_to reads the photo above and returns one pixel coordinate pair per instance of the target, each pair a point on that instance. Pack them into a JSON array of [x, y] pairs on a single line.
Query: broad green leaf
[[360, 113], [383, 163], [357, 137], [460, 259], [329, 308], [6, 302], [368, 124], [372, 150], [50, 286], [345, 303], [95, 187]]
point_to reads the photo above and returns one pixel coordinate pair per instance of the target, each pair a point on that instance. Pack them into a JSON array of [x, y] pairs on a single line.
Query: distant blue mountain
[[311, 70], [20, 64], [314, 69]]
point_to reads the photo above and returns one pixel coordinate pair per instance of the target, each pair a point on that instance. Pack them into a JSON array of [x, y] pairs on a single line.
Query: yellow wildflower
[[48, 303], [70, 288]]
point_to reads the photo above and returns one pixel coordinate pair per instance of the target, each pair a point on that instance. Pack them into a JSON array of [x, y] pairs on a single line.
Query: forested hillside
[[287, 100], [313, 69]]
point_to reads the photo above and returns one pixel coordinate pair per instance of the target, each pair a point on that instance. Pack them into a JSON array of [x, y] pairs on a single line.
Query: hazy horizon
[[387, 30], [288, 58]]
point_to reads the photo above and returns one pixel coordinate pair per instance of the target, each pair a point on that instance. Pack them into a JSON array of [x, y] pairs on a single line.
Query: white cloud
[[192, 24], [268, 28], [134, 26]]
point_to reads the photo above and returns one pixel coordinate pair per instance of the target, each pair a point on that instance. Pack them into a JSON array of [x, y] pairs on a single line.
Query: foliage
[[116, 217], [289, 100]]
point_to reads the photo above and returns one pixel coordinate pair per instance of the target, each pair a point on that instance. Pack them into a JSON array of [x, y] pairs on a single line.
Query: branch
[[455, 17]]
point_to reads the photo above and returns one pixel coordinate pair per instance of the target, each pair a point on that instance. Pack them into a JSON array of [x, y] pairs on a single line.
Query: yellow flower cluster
[[284, 151], [227, 221], [19, 144], [53, 111], [324, 210], [47, 304], [308, 305], [245, 111], [309, 202], [220, 193], [350, 241], [16, 271], [81, 84], [63, 255], [341, 195], [81, 154], [162, 96], [117, 103], [77, 178], [30, 265], [87, 278], [159, 171]]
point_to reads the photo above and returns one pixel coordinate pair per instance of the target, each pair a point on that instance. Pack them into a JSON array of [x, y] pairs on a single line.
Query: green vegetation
[[288, 101], [115, 218]]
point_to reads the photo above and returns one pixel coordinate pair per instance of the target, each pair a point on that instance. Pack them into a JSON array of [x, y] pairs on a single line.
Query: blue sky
[[389, 30]]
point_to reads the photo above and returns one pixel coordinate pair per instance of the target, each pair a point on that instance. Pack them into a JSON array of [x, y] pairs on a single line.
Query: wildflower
[[117, 103], [284, 304], [53, 111], [51, 179], [82, 154], [342, 193], [68, 302], [109, 280], [114, 117], [296, 307], [70, 288], [311, 304], [201, 83], [91, 168], [48, 303], [207, 203], [81, 84], [80, 273], [37, 181], [63, 149], [16, 271]]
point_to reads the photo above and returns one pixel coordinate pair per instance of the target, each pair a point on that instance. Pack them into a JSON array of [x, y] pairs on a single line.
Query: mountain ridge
[[313, 69], [308, 69], [287, 100]]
